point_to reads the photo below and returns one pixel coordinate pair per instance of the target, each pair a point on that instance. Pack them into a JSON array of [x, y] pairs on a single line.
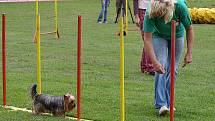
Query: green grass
[[201, 3], [100, 65]]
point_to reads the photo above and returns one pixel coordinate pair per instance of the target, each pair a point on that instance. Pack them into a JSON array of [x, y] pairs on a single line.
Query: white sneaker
[[163, 110], [173, 109], [99, 22]]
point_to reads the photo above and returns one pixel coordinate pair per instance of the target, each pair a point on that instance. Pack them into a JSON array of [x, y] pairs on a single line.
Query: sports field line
[[30, 111]]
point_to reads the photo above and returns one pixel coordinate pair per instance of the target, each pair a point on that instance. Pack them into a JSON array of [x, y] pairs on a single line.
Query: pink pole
[[4, 58], [172, 71], [79, 70]]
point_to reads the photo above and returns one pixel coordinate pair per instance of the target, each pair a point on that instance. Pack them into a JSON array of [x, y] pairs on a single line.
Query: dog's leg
[[33, 110], [58, 113]]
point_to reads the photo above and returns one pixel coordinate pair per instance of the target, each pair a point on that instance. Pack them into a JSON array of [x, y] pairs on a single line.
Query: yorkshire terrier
[[56, 105]]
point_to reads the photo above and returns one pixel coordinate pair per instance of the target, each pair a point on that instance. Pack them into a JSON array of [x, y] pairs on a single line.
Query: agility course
[[39, 81], [100, 66]]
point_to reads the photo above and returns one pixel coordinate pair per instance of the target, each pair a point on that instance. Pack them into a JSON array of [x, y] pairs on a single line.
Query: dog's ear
[[66, 97]]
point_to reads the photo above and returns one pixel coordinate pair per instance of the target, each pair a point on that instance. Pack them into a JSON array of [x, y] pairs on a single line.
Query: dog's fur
[[56, 105]]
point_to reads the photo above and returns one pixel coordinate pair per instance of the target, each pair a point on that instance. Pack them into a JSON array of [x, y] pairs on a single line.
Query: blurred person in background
[[103, 13], [140, 7]]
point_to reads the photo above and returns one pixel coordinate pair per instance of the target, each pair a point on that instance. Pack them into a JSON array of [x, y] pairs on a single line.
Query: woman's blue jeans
[[162, 49], [103, 11]]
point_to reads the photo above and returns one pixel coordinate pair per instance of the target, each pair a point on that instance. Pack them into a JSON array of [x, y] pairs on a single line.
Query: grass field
[[195, 94]]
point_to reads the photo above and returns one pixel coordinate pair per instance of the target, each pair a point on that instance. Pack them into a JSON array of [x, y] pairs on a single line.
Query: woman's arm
[[190, 39], [150, 50]]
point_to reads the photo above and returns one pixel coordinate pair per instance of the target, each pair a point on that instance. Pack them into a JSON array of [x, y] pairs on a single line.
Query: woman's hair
[[162, 8]]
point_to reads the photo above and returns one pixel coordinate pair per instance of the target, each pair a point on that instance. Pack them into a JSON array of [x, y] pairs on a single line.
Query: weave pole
[[38, 55], [126, 16], [4, 59], [36, 13], [56, 20], [172, 71], [79, 70], [37, 7], [122, 98]]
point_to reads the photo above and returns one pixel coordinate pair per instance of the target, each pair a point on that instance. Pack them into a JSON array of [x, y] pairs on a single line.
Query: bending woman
[[157, 40]]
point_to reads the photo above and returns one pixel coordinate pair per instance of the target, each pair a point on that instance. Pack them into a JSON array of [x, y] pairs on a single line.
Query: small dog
[[56, 105]]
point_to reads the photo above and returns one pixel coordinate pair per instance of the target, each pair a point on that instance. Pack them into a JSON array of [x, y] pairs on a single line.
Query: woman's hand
[[159, 68], [187, 59]]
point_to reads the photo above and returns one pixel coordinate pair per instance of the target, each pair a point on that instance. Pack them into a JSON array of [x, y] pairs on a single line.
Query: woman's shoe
[[163, 110]]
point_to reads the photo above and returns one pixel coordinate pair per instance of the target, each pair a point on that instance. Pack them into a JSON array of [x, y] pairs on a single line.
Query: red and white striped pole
[[4, 58], [79, 69], [172, 70]]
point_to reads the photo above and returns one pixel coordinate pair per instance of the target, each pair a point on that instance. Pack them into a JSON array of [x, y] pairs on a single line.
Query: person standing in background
[[140, 7], [105, 4], [120, 9]]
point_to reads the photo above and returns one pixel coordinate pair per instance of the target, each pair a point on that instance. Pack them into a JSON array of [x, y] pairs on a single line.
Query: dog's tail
[[33, 91]]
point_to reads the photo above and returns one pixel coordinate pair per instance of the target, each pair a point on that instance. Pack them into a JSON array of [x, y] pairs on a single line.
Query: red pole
[[79, 70], [4, 58], [172, 71]]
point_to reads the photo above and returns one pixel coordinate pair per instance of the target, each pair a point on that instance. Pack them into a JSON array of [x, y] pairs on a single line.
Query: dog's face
[[69, 101]]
